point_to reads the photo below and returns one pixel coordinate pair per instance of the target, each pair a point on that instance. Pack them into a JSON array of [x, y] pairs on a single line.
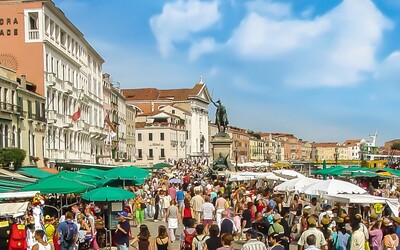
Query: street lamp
[[336, 156], [236, 159]]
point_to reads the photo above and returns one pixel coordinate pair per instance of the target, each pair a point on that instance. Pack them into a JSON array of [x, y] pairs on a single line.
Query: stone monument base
[[221, 143]]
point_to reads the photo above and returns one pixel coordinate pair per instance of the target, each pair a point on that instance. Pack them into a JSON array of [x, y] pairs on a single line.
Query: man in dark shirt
[[122, 232], [226, 225], [246, 218]]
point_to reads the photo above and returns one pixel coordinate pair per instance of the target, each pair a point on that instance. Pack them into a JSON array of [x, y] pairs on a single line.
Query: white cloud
[[181, 19], [206, 45], [335, 49], [389, 70], [272, 9]]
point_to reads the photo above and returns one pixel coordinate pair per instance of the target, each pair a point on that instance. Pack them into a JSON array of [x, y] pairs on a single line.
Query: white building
[[160, 137], [193, 103]]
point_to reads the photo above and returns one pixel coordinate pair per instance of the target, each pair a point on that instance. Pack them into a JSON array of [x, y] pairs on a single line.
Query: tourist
[[140, 207], [180, 196], [122, 232], [207, 210], [274, 242], [200, 239], [196, 202], [91, 223], [252, 242], [219, 206], [85, 232], [246, 218], [172, 219], [226, 225], [186, 213], [67, 241], [340, 237], [227, 242], [162, 241], [276, 227], [172, 191], [214, 241], [357, 238], [142, 240], [165, 203], [391, 240], [188, 234], [315, 207], [319, 237], [376, 235], [76, 211], [50, 230], [156, 205], [41, 243], [311, 242]]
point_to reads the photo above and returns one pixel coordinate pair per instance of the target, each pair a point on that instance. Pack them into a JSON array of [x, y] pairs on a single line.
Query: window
[[151, 153], [29, 109], [33, 21], [162, 153], [162, 136], [140, 154], [150, 136]]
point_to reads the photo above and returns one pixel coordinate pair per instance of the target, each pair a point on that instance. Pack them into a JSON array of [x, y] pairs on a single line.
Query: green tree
[[15, 155], [395, 146]]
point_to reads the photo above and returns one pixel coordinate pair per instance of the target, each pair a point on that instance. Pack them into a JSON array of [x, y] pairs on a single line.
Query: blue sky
[[322, 70]]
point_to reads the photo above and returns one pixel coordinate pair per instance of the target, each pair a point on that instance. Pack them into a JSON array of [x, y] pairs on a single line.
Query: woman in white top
[[42, 244]]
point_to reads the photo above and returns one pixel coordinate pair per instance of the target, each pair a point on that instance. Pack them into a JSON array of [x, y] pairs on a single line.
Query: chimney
[[23, 81]]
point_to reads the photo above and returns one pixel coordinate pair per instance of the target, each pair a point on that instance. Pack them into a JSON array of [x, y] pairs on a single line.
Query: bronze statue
[[221, 163], [221, 118]]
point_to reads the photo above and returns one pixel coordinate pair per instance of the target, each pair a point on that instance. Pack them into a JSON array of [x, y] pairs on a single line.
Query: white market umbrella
[[295, 185], [332, 187], [287, 173]]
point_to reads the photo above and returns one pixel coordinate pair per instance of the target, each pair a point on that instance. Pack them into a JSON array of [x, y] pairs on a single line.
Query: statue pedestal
[[221, 143]]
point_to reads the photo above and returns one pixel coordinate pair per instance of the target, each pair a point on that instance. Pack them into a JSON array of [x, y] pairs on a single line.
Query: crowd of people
[[216, 213]]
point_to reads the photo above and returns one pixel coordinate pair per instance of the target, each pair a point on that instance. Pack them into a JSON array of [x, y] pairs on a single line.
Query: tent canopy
[[13, 208], [34, 172], [59, 184]]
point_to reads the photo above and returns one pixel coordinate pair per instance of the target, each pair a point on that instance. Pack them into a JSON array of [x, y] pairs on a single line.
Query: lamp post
[[236, 159], [336, 156]]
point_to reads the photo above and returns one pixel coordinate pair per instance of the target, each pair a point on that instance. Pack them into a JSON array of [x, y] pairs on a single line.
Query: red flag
[[76, 115], [109, 123]]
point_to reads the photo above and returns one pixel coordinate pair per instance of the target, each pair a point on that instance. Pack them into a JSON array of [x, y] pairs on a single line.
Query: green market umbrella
[[127, 173], [35, 173], [366, 174], [108, 194], [98, 173], [59, 185], [75, 177], [119, 182], [329, 171], [161, 165]]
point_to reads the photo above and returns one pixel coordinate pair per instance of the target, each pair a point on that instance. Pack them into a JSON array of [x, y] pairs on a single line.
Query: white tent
[[364, 199], [287, 173], [295, 185], [13, 208], [27, 194], [332, 187]]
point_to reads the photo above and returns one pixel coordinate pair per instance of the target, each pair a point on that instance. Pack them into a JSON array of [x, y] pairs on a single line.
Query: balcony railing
[[12, 108], [33, 34]]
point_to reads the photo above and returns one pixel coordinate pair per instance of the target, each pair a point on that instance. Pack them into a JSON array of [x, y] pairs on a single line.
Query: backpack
[[70, 232], [200, 243], [187, 244]]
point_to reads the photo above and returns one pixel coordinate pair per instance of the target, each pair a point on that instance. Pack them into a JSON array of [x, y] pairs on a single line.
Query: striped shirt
[[254, 244]]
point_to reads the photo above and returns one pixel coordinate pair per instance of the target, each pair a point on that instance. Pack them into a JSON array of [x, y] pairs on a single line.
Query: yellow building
[[22, 117]]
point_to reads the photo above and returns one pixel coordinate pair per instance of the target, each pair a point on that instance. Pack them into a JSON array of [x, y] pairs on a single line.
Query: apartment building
[[66, 70]]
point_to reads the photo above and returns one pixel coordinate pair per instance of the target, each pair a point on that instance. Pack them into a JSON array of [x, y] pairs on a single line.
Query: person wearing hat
[[376, 235], [49, 230], [320, 241], [252, 242], [357, 239], [122, 232], [276, 227], [274, 242]]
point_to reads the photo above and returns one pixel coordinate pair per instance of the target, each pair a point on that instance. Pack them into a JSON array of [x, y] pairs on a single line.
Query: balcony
[[57, 154], [51, 116], [10, 108], [33, 34], [67, 120]]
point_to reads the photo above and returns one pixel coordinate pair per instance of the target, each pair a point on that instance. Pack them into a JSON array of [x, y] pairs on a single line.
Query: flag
[[110, 124], [76, 115]]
